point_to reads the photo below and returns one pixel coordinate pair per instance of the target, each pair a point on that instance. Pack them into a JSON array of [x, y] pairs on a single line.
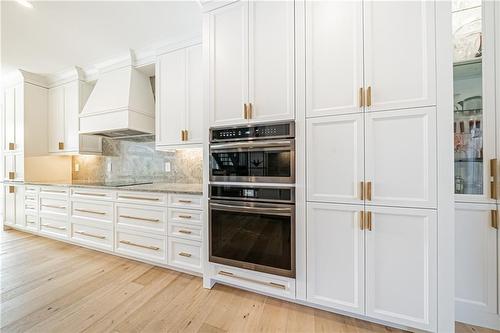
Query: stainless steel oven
[[254, 153], [253, 227]]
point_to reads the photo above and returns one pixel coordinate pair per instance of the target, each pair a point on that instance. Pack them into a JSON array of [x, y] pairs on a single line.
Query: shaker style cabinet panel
[[228, 64], [13, 137], [399, 46], [401, 266], [476, 260], [179, 114], [271, 60], [400, 158], [335, 256], [334, 57], [335, 158], [14, 206], [13, 166], [56, 120]]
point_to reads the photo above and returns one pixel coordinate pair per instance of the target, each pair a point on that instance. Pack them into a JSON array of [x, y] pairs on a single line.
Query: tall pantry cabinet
[[371, 159]]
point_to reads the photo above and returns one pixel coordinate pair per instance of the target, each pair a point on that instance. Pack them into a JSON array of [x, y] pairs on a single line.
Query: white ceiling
[[56, 35]]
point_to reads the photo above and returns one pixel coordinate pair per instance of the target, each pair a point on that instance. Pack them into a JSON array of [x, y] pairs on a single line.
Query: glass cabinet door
[[474, 119]]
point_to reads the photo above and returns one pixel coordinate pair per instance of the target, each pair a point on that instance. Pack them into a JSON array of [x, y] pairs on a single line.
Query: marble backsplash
[[139, 161]]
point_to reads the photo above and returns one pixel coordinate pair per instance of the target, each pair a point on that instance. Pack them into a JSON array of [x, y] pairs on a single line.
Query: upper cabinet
[[179, 97], [355, 68], [251, 62], [65, 104]]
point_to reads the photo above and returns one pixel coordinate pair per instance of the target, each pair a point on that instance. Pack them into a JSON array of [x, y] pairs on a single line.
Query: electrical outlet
[[77, 167], [167, 166], [110, 167]]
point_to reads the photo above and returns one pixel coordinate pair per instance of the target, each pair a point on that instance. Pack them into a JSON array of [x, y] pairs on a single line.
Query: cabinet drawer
[[179, 215], [185, 231], [92, 236], [30, 206], [142, 198], [92, 210], [149, 219], [54, 206], [141, 245], [31, 221], [97, 194], [185, 201], [184, 254], [52, 191], [54, 227]]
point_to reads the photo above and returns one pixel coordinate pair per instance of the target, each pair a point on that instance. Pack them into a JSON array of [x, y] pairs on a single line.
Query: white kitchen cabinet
[[334, 57], [476, 262], [401, 266], [399, 47], [400, 158], [65, 103], [13, 166], [335, 157], [335, 256], [251, 62], [179, 102], [13, 137], [14, 206]]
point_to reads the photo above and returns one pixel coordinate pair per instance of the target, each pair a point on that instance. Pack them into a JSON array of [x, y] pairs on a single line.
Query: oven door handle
[[253, 144], [285, 211]]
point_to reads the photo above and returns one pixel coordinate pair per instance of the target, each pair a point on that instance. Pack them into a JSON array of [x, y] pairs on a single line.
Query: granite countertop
[[152, 187]]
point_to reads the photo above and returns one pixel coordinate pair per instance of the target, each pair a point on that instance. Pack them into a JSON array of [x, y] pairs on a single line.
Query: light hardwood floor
[[50, 286]]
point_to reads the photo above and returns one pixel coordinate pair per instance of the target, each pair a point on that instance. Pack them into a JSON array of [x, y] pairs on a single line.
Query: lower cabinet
[[14, 205], [476, 260], [54, 226], [376, 261], [184, 254], [134, 243]]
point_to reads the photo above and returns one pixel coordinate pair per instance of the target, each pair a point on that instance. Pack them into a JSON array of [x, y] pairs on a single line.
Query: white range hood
[[121, 105]]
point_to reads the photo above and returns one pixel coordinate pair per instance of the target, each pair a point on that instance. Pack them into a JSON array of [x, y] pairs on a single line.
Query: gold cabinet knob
[[12, 146], [61, 145]]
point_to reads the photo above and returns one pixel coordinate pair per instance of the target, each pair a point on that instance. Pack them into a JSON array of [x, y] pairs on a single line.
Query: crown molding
[[63, 77]]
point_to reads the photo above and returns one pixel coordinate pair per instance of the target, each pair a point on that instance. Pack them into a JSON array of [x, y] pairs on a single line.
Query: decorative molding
[[178, 45], [63, 77]]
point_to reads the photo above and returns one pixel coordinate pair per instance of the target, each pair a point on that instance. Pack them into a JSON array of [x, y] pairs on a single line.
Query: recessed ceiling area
[[55, 35]]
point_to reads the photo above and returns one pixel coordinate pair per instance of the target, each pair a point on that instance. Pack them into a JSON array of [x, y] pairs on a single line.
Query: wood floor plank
[[49, 286]]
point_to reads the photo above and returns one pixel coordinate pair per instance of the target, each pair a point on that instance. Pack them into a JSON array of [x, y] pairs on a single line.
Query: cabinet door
[[194, 100], [400, 54], [271, 50], [335, 256], [476, 261], [334, 68], [13, 165], [19, 213], [10, 205], [9, 121], [171, 97], [56, 121], [228, 62], [401, 266], [19, 117], [335, 153], [400, 157], [71, 114]]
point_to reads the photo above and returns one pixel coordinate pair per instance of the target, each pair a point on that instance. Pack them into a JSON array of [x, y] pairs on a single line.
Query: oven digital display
[[249, 193]]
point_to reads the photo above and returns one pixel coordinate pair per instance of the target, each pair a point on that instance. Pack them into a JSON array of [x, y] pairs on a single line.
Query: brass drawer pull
[[31, 222], [12, 146], [137, 198], [53, 206], [494, 219], [250, 110], [54, 191], [270, 284], [187, 232], [493, 173], [361, 97], [185, 216], [90, 235], [185, 201], [12, 175], [369, 191], [245, 111], [139, 218], [29, 207], [61, 145], [184, 254], [369, 96], [369, 220], [12, 189], [149, 247], [92, 194], [362, 190], [362, 220], [53, 226], [89, 211]]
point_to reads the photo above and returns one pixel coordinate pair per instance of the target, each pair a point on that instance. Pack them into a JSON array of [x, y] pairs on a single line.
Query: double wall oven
[[252, 197]]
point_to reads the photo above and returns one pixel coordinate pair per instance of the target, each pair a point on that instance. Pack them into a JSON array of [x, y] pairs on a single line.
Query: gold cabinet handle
[[149, 247], [30, 222], [12, 146], [187, 232], [369, 96], [362, 220], [494, 219], [12, 175], [493, 173], [54, 191], [12, 189], [186, 135], [361, 97], [245, 111], [139, 218], [54, 206], [185, 216], [90, 235], [369, 191], [92, 194], [137, 198], [270, 284], [184, 254], [250, 111], [369, 220], [53, 226], [362, 191], [89, 211], [185, 201], [61, 145]]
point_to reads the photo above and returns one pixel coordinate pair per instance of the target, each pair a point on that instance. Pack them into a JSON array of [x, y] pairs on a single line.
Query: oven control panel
[[282, 130]]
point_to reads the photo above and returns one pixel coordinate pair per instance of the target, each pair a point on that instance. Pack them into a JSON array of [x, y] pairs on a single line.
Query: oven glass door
[[253, 236], [261, 162]]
